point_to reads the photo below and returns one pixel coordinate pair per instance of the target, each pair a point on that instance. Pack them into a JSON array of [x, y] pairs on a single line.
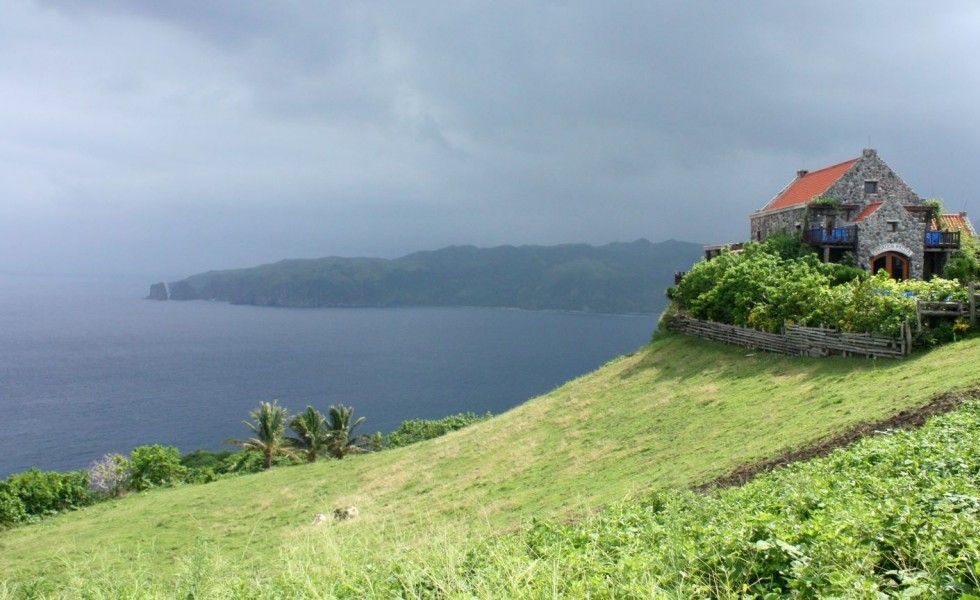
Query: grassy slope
[[677, 413]]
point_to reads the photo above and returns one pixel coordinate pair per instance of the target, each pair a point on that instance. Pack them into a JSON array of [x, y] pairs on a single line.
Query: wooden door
[[893, 263]]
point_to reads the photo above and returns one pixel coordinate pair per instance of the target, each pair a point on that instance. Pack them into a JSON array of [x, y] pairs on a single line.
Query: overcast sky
[[167, 138]]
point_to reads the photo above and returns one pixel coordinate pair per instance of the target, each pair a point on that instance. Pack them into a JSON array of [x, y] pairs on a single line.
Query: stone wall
[[850, 187], [875, 238], [764, 224]]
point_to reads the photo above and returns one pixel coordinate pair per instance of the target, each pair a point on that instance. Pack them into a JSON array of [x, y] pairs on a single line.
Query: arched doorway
[[893, 263]]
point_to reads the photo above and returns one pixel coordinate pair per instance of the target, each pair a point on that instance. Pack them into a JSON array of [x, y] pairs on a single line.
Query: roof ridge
[[838, 165], [797, 192]]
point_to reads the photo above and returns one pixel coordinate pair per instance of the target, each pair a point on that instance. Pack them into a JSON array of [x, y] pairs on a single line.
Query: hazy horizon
[[166, 139]]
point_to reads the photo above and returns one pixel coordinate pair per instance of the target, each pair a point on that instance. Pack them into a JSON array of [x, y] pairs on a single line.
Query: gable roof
[[868, 211], [809, 186]]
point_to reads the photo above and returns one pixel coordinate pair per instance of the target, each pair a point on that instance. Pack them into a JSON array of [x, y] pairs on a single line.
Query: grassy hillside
[[889, 516], [676, 414]]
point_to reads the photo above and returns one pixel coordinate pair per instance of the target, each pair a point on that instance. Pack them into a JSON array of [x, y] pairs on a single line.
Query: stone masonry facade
[[875, 236], [869, 167], [888, 215]]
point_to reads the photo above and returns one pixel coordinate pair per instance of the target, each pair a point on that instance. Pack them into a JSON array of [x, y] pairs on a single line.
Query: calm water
[[88, 367]]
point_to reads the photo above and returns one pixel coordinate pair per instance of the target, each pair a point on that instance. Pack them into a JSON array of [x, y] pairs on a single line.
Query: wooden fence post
[[972, 289], [907, 339]]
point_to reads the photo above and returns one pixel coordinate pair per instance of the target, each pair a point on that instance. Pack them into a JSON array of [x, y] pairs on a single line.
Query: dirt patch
[[906, 419]]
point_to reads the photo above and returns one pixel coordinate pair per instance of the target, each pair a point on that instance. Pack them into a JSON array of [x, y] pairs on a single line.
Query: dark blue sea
[[89, 367]]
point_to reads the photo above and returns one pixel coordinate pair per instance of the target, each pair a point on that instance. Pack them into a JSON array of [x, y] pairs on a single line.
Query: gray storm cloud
[[166, 138]]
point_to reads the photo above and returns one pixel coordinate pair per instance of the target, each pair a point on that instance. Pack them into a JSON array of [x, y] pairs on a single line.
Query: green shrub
[[964, 264], [842, 273], [252, 461], [765, 287], [11, 507], [788, 247], [154, 466], [934, 336], [417, 430], [205, 475], [49, 492], [204, 466], [935, 205], [202, 459]]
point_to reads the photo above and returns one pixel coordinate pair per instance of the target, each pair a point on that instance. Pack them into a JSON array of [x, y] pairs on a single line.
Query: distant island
[[613, 278]]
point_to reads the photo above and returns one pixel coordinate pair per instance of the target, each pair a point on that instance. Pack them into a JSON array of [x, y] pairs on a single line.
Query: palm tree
[[342, 439], [312, 433], [269, 425]]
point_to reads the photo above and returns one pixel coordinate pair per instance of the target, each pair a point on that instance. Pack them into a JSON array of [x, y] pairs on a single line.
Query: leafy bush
[[789, 246], [49, 492], [156, 465], [205, 475], [252, 461], [203, 459], [825, 202], [417, 430], [964, 264], [935, 205], [765, 287], [205, 466], [11, 507], [756, 287], [842, 273]]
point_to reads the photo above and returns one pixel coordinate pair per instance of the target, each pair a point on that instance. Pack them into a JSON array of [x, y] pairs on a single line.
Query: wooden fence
[[801, 341], [950, 310]]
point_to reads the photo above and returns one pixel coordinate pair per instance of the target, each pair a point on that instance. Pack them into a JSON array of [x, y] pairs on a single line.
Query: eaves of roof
[[868, 211], [809, 186]]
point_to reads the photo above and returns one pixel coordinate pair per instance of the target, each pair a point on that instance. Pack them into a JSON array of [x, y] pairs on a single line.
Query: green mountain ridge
[[613, 278]]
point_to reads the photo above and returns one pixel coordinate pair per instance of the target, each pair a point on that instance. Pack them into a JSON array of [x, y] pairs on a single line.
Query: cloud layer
[[166, 138]]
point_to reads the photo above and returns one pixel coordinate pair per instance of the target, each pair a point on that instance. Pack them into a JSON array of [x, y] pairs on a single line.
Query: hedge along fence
[[798, 340]]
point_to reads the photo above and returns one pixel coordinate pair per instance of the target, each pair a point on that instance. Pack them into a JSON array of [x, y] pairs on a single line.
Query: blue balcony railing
[[831, 236], [943, 239]]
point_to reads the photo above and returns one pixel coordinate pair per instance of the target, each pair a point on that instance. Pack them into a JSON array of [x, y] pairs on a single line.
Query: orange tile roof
[[809, 186], [954, 222], [868, 211]]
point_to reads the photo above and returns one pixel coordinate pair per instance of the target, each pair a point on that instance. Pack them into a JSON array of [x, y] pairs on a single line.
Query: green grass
[[890, 516], [678, 413]]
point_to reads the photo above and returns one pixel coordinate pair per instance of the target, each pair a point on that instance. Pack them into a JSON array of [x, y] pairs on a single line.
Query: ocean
[[89, 367]]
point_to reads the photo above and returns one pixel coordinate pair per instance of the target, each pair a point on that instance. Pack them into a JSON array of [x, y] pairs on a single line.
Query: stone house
[[860, 212]]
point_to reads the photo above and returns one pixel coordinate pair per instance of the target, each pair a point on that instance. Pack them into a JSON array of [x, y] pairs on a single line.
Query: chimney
[[869, 152], [801, 173]]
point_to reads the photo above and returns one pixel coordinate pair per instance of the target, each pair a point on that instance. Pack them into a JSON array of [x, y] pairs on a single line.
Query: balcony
[[835, 237], [942, 240]]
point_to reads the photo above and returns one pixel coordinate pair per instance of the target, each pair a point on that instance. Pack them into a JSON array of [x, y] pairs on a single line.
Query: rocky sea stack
[[158, 291]]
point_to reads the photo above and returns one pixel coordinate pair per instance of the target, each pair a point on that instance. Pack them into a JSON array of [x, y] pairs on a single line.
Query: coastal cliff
[[614, 278]]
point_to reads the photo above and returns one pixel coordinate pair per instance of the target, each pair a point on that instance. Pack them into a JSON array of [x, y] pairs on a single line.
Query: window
[[870, 187], [892, 226]]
